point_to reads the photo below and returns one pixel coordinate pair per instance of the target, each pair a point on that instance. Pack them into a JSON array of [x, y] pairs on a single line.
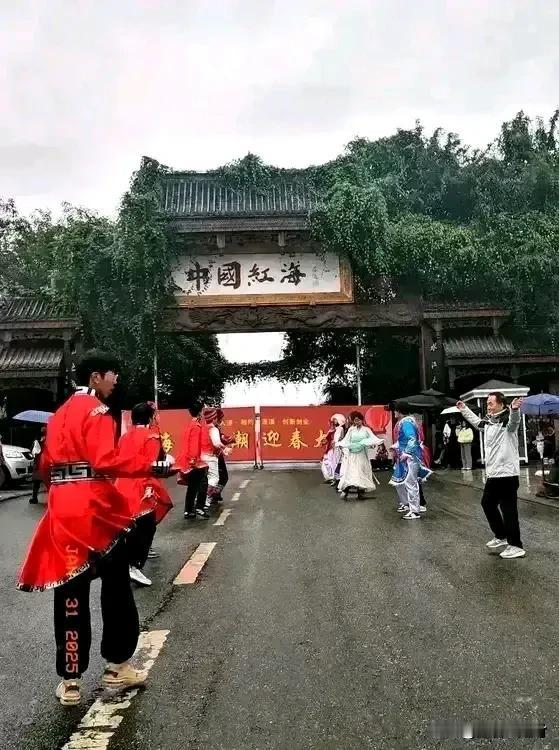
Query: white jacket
[[501, 441]]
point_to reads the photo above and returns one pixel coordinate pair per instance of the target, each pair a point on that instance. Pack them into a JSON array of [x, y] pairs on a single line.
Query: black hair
[[195, 409], [142, 413], [499, 397], [356, 415], [401, 407], [95, 360]]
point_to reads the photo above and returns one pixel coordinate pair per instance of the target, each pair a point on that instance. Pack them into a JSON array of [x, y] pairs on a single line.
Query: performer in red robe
[[80, 535], [148, 500], [193, 469]]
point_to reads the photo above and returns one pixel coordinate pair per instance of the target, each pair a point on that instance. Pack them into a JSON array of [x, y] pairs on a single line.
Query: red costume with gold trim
[[86, 515], [144, 494]]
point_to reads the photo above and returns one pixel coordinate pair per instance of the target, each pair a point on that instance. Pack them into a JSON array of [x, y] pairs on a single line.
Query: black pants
[[421, 495], [72, 619], [223, 473], [196, 490], [36, 487], [139, 540], [500, 504]]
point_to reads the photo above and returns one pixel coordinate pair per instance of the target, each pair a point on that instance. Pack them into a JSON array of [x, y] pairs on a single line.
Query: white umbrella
[[33, 415], [451, 410]]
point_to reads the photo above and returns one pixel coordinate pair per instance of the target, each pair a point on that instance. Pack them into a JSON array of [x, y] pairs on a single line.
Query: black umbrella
[[429, 400]]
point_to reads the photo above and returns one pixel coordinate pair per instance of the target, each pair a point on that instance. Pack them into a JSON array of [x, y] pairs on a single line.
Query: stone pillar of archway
[[432, 365]]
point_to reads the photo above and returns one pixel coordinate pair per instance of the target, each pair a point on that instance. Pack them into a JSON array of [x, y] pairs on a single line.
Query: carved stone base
[[289, 318]]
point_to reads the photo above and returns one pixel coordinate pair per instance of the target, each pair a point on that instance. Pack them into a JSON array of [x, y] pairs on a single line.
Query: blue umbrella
[[541, 405], [33, 415]]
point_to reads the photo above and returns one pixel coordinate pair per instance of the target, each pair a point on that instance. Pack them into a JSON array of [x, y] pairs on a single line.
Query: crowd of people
[[353, 454], [352, 449], [202, 461], [454, 446], [105, 501]]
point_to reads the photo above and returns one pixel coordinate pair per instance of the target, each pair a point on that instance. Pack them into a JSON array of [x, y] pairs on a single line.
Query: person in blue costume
[[357, 443], [409, 468]]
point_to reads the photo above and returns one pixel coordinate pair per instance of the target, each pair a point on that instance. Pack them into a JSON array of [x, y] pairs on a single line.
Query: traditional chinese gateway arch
[[249, 264]]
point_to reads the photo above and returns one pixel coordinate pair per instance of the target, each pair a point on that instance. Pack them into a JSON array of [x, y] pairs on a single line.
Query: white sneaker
[[138, 577], [496, 543], [510, 552], [411, 516], [403, 508], [423, 509]]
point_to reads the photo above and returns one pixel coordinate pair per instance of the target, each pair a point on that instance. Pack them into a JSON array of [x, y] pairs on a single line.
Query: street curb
[[15, 496], [521, 496], [21, 495]]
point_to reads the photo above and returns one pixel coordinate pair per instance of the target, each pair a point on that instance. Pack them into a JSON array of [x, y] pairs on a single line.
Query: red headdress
[[210, 414]]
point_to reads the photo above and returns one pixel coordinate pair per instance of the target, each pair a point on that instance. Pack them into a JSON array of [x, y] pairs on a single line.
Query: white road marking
[[192, 568], [102, 720], [245, 484], [223, 517], [235, 497]]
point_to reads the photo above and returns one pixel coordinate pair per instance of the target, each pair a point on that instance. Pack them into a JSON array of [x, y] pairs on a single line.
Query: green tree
[[115, 275]]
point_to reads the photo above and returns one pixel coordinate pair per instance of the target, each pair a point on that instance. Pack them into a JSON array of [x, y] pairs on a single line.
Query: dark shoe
[[190, 516], [346, 495], [33, 501], [360, 495], [202, 513]]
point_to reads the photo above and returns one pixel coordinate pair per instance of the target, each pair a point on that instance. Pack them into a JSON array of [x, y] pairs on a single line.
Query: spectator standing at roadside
[[36, 451], [502, 465], [465, 436], [443, 458]]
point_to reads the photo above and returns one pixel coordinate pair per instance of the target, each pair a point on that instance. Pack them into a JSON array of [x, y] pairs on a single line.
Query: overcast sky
[[89, 86]]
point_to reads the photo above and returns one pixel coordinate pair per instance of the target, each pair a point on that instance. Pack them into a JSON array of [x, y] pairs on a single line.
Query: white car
[[18, 464]]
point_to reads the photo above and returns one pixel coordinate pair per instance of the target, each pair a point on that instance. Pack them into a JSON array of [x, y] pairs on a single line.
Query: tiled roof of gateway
[[478, 346], [31, 308], [204, 195], [17, 358]]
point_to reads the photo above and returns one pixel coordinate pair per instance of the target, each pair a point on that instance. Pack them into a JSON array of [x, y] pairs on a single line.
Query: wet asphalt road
[[315, 624]]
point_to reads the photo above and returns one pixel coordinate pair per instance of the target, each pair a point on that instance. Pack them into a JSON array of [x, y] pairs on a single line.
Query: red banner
[[296, 433], [238, 423]]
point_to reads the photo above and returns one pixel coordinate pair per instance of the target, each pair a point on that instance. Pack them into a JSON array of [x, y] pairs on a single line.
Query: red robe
[[144, 494], [85, 517], [194, 439]]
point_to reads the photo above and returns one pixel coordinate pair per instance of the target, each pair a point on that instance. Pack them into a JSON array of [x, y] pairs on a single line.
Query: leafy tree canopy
[[427, 215], [115, 275]]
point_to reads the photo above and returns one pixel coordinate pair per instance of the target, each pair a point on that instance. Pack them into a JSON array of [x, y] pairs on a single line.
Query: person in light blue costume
[[409, 468]]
